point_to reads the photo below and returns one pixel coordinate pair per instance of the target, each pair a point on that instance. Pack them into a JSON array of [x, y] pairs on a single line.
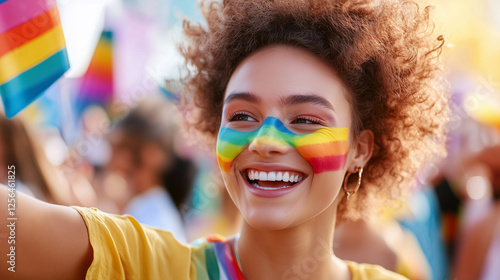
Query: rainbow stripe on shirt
[[213, 258], [32, 51], [325, 149]]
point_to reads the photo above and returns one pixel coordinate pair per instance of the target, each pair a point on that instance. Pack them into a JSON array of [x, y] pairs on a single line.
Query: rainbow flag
[[32, 51], [325, 149], [96, 86]]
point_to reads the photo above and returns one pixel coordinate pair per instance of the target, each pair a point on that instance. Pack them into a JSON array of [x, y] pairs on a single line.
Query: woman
[[322, 109]]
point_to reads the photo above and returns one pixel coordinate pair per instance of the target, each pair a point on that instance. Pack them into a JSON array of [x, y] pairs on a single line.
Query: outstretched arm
[[40, 240]]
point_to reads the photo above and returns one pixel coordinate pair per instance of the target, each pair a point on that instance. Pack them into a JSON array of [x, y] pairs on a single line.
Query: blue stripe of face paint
[[243, 138]]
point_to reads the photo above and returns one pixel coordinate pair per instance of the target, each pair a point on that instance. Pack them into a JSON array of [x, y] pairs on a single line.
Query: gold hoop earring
[[358, 170]]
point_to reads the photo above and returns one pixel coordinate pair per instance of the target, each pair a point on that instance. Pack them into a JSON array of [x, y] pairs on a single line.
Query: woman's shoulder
[[372, 272], [125, 249]]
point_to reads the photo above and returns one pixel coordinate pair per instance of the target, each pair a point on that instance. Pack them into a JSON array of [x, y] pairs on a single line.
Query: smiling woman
[[302, 137], [380, 58], [320, 110], [299, 95]]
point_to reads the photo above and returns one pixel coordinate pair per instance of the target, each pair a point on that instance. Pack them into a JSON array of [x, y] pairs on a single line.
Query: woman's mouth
[[273, 180]]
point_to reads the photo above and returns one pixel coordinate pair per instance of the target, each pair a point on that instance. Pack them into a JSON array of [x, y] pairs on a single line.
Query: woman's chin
[[268, 225], [268, 221]]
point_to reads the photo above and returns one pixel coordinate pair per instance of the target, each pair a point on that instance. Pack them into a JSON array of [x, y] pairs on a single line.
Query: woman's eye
[[306, 120], [240, 117]]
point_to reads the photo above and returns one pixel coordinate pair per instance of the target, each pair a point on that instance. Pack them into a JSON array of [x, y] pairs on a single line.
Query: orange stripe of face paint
[[318, 150]]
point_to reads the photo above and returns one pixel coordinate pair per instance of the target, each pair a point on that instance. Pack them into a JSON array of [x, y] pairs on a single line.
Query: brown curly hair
[[384, 51]]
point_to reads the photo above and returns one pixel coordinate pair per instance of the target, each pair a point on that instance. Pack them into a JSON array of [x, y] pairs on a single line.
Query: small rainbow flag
[[32, 51], [325, 149], [96, 86]]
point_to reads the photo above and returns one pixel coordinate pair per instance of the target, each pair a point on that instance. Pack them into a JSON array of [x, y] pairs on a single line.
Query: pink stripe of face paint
[[328, 163]]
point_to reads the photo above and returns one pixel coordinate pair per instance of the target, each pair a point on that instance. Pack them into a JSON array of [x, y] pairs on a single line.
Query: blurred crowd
[[140, 159]]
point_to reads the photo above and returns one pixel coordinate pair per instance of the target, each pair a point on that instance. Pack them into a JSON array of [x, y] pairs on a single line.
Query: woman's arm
[[40, 240]]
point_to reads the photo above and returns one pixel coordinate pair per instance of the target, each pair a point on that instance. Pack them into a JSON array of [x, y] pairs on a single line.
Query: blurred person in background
[[478, 254], [420, 222], [144, 154], [93, 145], [87, 159], [34, 173], [463, 186]]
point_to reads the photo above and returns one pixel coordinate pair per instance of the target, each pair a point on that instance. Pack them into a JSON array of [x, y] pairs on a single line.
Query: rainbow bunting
[[325, 149], [97, 83], [32, 51]]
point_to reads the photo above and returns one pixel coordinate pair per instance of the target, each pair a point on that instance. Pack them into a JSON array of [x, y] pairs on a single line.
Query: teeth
[[273, 176], [286, 177], [279, 177]]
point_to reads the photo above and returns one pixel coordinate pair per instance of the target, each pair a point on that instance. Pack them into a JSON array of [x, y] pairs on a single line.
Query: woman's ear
[[363, 149]]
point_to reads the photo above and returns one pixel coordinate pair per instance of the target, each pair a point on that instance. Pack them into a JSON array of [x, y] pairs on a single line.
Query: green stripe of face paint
[[232, 142]]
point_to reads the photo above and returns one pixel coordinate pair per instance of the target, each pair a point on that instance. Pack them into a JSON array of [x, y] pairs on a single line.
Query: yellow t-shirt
[[125, 249]]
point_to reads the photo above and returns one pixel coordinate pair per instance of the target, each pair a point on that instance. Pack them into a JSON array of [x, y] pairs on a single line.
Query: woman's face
[[283, 144]]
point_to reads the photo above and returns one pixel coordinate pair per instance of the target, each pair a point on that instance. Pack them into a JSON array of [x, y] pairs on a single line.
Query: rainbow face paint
[[325, 149]]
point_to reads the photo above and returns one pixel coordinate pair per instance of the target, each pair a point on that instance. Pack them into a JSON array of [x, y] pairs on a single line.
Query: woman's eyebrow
[[306, 98], [245, 96]]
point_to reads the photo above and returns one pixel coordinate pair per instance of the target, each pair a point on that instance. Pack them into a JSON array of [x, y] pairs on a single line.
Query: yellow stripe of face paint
[[323, 135]]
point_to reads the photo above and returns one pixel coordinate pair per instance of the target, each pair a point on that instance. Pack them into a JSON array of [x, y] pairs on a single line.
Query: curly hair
[[384, 51]]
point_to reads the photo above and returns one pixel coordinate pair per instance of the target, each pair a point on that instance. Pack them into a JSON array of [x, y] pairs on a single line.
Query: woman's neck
[[300, 252]]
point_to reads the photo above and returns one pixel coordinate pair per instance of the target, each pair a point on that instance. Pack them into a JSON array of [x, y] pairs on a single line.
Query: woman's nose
[[267, 146]]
